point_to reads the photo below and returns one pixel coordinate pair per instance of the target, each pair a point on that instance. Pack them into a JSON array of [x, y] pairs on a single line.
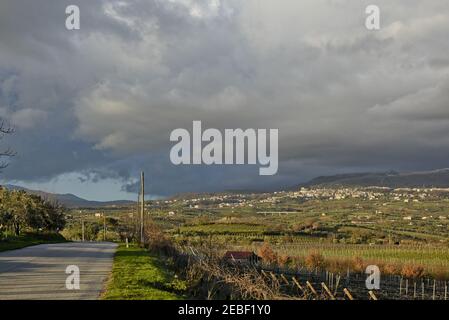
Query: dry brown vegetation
[[267, 254], [315, 260], [213, 280], [412, 271], [208, 276]]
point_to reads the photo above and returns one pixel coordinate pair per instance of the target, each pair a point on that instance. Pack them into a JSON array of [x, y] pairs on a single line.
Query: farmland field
[[433, 258], [318, 235]]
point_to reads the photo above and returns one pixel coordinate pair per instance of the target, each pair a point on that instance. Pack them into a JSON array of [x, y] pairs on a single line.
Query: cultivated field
[[320, 236]]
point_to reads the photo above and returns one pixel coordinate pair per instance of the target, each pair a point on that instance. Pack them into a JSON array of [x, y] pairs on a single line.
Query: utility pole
[[142, 206], [82, 228], [137, 219], [104, 227]]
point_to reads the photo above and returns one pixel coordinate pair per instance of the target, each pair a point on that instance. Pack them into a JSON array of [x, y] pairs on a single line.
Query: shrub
[[267, 254], [358, 265], [391, 269], [440, 273], [315, 260], [156, 240], [283, 260], [412, 271]]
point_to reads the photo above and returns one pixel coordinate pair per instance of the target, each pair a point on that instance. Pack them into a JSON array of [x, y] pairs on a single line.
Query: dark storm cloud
[[102, 101]]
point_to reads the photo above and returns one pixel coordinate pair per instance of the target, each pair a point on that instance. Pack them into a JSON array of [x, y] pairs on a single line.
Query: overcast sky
[[93, 107]]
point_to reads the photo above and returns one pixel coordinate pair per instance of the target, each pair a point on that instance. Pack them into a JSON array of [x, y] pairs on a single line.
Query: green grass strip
[[139, 275]]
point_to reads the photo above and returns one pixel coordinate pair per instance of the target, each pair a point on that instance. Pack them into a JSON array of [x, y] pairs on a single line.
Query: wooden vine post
[[348, 294], [327, 291], [312, 288]]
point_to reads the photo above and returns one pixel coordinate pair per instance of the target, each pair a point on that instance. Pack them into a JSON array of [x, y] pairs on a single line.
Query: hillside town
[[235, 200]]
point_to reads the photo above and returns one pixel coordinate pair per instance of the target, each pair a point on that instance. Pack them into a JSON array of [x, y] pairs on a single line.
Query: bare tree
[[5, 129]]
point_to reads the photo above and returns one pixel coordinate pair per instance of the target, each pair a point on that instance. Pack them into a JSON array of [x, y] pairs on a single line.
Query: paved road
[[39, 272]]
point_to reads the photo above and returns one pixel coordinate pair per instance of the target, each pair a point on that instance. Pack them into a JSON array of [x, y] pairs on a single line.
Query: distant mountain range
[[391, 179], [70, 200]]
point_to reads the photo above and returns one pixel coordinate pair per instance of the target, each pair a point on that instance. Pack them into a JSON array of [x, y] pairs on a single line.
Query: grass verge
[[29, 239], [139, 275]]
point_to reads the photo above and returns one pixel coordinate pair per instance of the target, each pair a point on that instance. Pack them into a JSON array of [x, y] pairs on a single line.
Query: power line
[[142, 206]]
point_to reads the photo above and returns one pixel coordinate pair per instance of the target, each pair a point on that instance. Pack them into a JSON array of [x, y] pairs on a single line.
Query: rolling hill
[[391, 179], [70, 200]]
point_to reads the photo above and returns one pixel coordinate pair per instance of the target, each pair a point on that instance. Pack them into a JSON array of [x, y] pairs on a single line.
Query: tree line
[[21, 211]]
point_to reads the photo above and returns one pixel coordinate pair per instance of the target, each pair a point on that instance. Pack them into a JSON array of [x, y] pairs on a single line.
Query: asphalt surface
[[39, 272]]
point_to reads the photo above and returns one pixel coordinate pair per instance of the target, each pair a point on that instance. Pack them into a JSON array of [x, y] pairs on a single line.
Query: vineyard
[[308, 249], [351, 286], [306, 284], [434, 259]]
